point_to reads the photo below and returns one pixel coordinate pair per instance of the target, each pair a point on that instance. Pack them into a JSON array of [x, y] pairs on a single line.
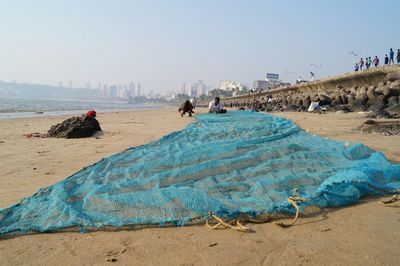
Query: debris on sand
[[388, 128], [75, 127]]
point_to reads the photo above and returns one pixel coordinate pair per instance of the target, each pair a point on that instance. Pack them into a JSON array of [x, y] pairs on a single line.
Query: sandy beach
[[362, 234]]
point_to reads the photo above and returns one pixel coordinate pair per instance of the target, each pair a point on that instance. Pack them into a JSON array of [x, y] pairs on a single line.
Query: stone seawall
[[376, 89]]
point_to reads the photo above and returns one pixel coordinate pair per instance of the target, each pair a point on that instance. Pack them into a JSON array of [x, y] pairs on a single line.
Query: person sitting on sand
[[314, 106], [356, 67], [186, 107], [216, 107]]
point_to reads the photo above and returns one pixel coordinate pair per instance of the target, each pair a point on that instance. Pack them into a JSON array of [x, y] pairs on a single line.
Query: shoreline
[[47, 114], [31, 108]]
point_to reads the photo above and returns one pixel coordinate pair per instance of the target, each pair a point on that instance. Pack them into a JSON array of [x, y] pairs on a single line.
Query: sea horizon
[[11, 108]]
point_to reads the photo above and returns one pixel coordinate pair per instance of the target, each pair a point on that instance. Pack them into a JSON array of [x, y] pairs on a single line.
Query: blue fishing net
[[238, 163]]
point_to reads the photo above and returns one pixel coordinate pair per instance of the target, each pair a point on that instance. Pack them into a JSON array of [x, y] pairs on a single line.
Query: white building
[[229, 85], [271, 81]]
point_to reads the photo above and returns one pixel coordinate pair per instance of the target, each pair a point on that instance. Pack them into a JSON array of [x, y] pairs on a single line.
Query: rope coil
[[221, 224], [294, 200]]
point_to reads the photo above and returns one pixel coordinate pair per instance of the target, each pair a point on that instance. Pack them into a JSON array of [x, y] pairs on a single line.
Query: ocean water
[[19, 108]]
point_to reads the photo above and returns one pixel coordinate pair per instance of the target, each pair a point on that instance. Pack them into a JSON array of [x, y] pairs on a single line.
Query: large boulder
[[324, 99], [306, 102], [393, 76], [75, 127], [391, 90], [372, 95], [394, 110], [393, 100], [358, 105]]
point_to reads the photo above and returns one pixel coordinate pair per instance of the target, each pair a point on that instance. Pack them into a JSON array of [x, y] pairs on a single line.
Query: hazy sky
[[163, 43]]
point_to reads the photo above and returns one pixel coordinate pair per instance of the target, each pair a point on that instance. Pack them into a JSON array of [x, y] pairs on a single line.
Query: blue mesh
[[238, 163]]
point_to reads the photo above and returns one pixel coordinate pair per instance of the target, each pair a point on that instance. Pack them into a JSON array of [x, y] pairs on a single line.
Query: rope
[[221, 224], [387, 203], [394, 198], [293, 200]]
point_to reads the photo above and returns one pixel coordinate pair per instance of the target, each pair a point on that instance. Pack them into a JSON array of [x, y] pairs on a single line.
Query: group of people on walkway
[[369, 62]]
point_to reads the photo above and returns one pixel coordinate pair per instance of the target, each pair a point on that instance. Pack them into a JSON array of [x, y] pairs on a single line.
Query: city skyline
[[164, 43]]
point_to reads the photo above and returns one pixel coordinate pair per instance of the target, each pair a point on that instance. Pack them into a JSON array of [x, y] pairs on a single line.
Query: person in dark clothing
[[367, 64], [361, 64], [391, 56], [386, 59], [398, 56], [376, 61], [186, 107]]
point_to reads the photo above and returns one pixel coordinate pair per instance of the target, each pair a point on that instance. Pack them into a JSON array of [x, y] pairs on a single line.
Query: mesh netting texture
[[237, 163]]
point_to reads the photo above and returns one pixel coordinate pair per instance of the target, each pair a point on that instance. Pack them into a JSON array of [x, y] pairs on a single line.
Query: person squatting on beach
[[216, 107], [356, 67], [186, 107]]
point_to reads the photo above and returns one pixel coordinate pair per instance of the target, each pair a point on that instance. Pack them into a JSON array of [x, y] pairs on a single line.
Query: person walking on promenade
[[369, 61], [376, 61], [391, 56], [386, 59], [398, 56], [356, 67], [361, 64], [367, 65]]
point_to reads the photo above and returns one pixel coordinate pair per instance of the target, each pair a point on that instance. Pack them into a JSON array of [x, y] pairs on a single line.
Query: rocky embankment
[[376, 90]]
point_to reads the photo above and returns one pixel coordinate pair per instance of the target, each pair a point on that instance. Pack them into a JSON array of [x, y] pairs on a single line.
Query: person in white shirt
[[313, 106], [216, 107], [193, 101]]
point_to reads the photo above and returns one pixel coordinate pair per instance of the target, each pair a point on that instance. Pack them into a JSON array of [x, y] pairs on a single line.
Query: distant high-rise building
[[104, 91], [132, 89], [200, 88], [113, 91], [190, 90], [261, 85], [60, 84], [183, 88], [70, 84], [88, 86], [138, 89]]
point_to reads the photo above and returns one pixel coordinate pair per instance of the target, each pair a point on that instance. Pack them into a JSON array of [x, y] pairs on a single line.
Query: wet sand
[[363, 234]]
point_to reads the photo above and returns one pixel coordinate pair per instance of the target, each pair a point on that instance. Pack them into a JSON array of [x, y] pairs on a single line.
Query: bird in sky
[[353, 53]]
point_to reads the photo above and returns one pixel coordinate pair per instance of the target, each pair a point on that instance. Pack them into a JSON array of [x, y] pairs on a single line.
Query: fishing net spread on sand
[[238, 163]]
